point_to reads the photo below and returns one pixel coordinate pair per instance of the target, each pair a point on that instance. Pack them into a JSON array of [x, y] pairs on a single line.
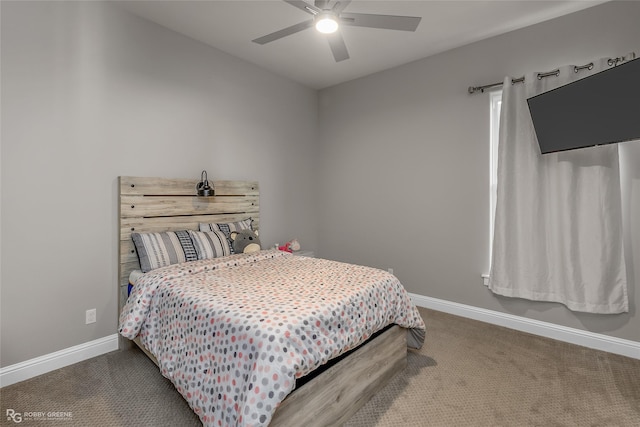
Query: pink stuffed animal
[[294, 245], [290, 246], [286, 247]]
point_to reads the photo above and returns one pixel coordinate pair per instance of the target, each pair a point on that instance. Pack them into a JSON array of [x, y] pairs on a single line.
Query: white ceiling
[[305, 57]]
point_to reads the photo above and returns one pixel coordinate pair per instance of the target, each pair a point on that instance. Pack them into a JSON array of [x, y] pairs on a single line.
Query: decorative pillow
[[227, 228], [157, 250], [210, 244]]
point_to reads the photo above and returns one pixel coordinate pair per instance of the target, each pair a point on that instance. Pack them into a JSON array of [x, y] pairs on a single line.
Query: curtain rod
[[611, 62]]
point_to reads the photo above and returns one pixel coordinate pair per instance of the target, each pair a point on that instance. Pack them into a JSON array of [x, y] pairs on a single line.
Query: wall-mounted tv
[[600, 109]]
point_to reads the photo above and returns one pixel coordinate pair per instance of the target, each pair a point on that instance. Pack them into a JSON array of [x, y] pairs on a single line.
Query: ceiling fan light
[[326, 24]]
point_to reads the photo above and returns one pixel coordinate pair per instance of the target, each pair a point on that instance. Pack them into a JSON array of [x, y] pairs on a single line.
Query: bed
[[236, 347]]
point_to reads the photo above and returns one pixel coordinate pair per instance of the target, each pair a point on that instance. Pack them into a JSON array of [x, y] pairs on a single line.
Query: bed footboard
[[335, 395]]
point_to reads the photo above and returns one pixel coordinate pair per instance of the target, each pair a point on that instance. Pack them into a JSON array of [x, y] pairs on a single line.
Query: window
[[495, 99]]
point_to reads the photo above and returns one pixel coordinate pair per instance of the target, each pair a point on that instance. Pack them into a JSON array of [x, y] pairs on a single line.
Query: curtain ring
[[588, 66], [555, 72]]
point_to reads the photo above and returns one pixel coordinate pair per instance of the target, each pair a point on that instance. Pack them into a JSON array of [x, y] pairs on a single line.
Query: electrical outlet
[[90, 316], [390, 270]]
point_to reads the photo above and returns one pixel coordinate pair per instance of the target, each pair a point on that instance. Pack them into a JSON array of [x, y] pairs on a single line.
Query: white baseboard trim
[[561, 333], [52, 361]]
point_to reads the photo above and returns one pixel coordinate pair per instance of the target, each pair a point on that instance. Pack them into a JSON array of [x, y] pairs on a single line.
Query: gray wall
[[404, 164], [89, 93]]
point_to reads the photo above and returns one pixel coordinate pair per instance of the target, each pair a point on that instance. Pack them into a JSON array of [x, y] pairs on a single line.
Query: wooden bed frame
[[161, 204]]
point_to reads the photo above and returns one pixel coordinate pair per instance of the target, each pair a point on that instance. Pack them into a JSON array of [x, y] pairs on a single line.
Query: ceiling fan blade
[[322, 4], [338, 48], [284, 32], [340, 5], [304, 6], [388, 22]]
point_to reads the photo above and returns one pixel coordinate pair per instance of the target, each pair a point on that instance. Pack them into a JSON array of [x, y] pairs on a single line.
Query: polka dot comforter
[[234, 333]]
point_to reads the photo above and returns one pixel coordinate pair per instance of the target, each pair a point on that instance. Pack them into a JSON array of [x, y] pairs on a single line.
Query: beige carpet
[[468, 374], [475, 374]]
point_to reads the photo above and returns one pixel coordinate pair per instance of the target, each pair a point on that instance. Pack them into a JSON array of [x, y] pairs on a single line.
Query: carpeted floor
[[468, 373]]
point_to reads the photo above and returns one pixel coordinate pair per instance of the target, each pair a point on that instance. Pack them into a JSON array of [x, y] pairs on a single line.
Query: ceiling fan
[[328, 19]]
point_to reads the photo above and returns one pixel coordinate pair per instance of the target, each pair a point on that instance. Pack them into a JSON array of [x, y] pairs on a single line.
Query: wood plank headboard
[[162, 204]]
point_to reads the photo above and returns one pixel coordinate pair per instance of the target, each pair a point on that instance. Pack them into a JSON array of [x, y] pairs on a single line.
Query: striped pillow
[[210, 244], [227, 228], [157, 250]]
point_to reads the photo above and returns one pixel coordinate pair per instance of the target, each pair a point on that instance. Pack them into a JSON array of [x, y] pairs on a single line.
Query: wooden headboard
[[162, 204]]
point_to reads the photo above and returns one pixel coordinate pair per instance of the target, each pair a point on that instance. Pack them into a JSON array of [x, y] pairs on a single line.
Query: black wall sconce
[[203, 188]]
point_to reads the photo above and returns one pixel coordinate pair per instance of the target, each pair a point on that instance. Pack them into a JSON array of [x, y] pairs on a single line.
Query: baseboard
[[561, 333], [50, 362]]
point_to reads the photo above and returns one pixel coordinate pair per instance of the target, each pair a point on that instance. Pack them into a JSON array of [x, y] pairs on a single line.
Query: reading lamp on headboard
[[203, 188]]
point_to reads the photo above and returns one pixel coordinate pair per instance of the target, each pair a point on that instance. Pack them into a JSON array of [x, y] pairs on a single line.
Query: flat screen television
[[600, 109]]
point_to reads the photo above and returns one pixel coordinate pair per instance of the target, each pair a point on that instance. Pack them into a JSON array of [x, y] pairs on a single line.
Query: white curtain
[[558, 223]]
